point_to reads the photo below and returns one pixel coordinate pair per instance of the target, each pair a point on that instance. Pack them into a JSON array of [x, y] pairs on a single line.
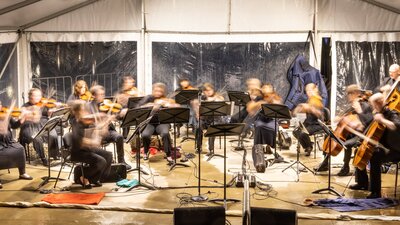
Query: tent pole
[[316, 36]]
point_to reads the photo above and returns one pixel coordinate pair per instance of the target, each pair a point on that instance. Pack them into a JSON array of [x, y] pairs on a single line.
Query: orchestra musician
[[38, 115], [86, 148], [81, 91], [264, 127], [157, 99], [112, 136], [12, 153], [208, 94], [394, 73], [360, 107], [314, 110], [128, 90], [184, 84], [391, 119], [251, 84]]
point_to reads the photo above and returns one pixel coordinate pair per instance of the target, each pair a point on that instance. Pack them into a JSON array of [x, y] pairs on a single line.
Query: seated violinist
[[358, 117], [113, 136], [210, 95], [264, 127], [314, 110], [12, 153], [157, 99], [87, 134], [251, 85], [81, 91], [128, 90], [184, 84], [391, 120], [37, 115]]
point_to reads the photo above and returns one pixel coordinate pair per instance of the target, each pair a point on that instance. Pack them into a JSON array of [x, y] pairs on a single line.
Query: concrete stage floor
[[179, 183]]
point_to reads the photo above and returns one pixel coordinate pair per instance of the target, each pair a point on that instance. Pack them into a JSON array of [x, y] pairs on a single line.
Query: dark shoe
[[146, 156], [321, 168], [169, 159], [25, 177], [97, 184], [128, 167], [1, 186], [345, 171], [87, 186], [358, 187], [210, 153], [308, 151], [374, 195]]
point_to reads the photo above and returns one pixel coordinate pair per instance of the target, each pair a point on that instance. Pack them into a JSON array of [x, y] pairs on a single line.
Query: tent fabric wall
[[350, 15], [115, 15]]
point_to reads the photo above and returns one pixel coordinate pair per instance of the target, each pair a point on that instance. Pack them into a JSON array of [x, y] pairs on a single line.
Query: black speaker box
[[267, 216], [199, 216]]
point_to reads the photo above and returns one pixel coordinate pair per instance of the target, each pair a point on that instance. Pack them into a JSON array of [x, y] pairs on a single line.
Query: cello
[[376, 130]]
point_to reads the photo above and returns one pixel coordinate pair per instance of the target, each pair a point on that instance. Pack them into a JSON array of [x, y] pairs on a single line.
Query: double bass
[[376, 130]]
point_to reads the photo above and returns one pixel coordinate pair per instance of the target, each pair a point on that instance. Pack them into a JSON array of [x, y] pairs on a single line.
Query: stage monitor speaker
[[199, 216], [268, 216]]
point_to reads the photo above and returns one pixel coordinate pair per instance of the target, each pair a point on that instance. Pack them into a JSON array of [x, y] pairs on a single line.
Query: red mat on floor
[[74, 198]]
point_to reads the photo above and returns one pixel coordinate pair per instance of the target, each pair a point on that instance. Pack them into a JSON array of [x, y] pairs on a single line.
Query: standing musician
[[314, 110], [157, 99], [87, 148], [264, 127], [98, 94], [390, 119], [81, 91], [363, 117], [209, 94], [12, 153], [128, 90], [34, 121]]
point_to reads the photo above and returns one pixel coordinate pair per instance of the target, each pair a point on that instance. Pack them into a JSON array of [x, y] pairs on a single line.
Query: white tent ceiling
[[214, 16]]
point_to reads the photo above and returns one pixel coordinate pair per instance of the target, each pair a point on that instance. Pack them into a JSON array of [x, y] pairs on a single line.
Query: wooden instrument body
[[341, 132], [375, 131]]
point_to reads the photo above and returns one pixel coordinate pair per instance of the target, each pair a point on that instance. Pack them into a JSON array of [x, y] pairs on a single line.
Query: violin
[[109, 106], [132, 92], [87, 96], [48, 103], [15, 112], [190, 87]]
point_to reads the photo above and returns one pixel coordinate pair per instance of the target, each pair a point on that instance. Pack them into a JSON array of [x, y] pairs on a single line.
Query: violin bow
[[362, 136]]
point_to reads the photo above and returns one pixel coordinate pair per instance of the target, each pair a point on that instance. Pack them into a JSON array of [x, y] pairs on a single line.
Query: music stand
[[214, 109], [174, 115], [64, 114], [134, 101], [183, 98], [240, 98], [134, 117], [231, 129], [276, 111], [139, 128], [47, 127], [298, 162], [331, 137]]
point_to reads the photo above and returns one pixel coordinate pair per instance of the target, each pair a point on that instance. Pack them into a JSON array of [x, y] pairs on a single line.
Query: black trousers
[[26, 138], [99, 162], [115, 137], [160, 129], [204, 124], [13, 156], [378, 157], [304, 138]]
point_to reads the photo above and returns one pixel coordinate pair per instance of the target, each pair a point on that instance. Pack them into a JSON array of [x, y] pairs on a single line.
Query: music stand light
[[231, 129]]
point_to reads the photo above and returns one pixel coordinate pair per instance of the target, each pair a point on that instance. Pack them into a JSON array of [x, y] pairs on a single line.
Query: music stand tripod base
[[199, 198], [214, 155]]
